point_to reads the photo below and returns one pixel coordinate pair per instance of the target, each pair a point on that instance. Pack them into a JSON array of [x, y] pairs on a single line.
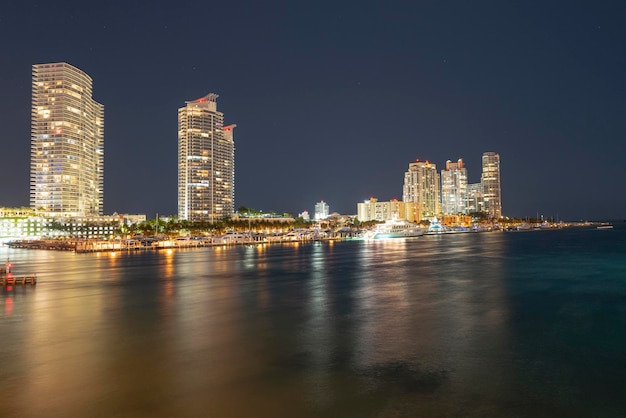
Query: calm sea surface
[[529, 324]]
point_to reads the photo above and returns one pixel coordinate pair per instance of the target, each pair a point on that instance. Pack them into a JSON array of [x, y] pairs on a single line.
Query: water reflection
[[8, 302], [371, 328], [317, 331]]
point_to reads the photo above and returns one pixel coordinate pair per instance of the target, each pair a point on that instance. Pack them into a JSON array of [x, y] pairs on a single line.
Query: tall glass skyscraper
[[67, 143], [454, 188], [206, 162], [421, 185], [490, 181]]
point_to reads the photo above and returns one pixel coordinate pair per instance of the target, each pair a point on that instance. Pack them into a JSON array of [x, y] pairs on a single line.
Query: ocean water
[[527, 324]]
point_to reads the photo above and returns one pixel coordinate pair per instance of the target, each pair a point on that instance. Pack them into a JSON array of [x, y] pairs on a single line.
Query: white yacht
[[395, 228], [436, 227]]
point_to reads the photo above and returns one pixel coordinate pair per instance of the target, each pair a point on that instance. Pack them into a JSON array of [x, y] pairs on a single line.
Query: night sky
[[334, 99]]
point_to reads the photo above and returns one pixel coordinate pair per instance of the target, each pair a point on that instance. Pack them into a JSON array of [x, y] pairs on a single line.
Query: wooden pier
[[9, 279]]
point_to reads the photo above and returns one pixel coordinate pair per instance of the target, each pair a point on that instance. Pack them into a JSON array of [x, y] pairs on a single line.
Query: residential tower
[[206, 162], [67, 143]]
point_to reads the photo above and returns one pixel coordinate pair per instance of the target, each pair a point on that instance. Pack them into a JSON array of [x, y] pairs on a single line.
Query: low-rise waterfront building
[[24, 223], [87, 227], [128, 219], [456, 220], [373, 210], [22, 227]]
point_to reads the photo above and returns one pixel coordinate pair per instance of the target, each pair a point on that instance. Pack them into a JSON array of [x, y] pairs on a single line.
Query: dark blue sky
[[334, 99]]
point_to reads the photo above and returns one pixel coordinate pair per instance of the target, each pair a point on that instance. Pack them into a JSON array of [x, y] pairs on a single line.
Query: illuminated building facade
[[67, 143], [490, 181], [322, 210], [421, 185], [373, 210], [454, 188], [475, 202], [206, 162], [25, 223]]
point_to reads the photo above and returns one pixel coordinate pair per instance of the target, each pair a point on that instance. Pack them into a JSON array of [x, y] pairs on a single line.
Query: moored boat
[[395, 228], [436, 227]]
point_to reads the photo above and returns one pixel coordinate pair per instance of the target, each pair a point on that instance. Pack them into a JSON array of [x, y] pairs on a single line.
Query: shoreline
[[150, 243]]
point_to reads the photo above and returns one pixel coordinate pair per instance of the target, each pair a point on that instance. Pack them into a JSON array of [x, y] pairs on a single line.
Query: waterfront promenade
[[90, 246]]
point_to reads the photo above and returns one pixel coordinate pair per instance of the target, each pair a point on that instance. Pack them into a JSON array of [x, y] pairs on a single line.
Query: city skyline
[[428, 193], [206, 148], [332, 103], [68, 143]]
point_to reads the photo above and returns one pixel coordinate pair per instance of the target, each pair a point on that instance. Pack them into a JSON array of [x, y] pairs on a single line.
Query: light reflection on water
[[432, 326]]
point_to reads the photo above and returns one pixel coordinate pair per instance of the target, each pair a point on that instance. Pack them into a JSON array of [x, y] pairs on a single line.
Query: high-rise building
[[490, 180], [206, 162], [322, 210], [421, 185], [454, 188], [475, 202], [67, 143]]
